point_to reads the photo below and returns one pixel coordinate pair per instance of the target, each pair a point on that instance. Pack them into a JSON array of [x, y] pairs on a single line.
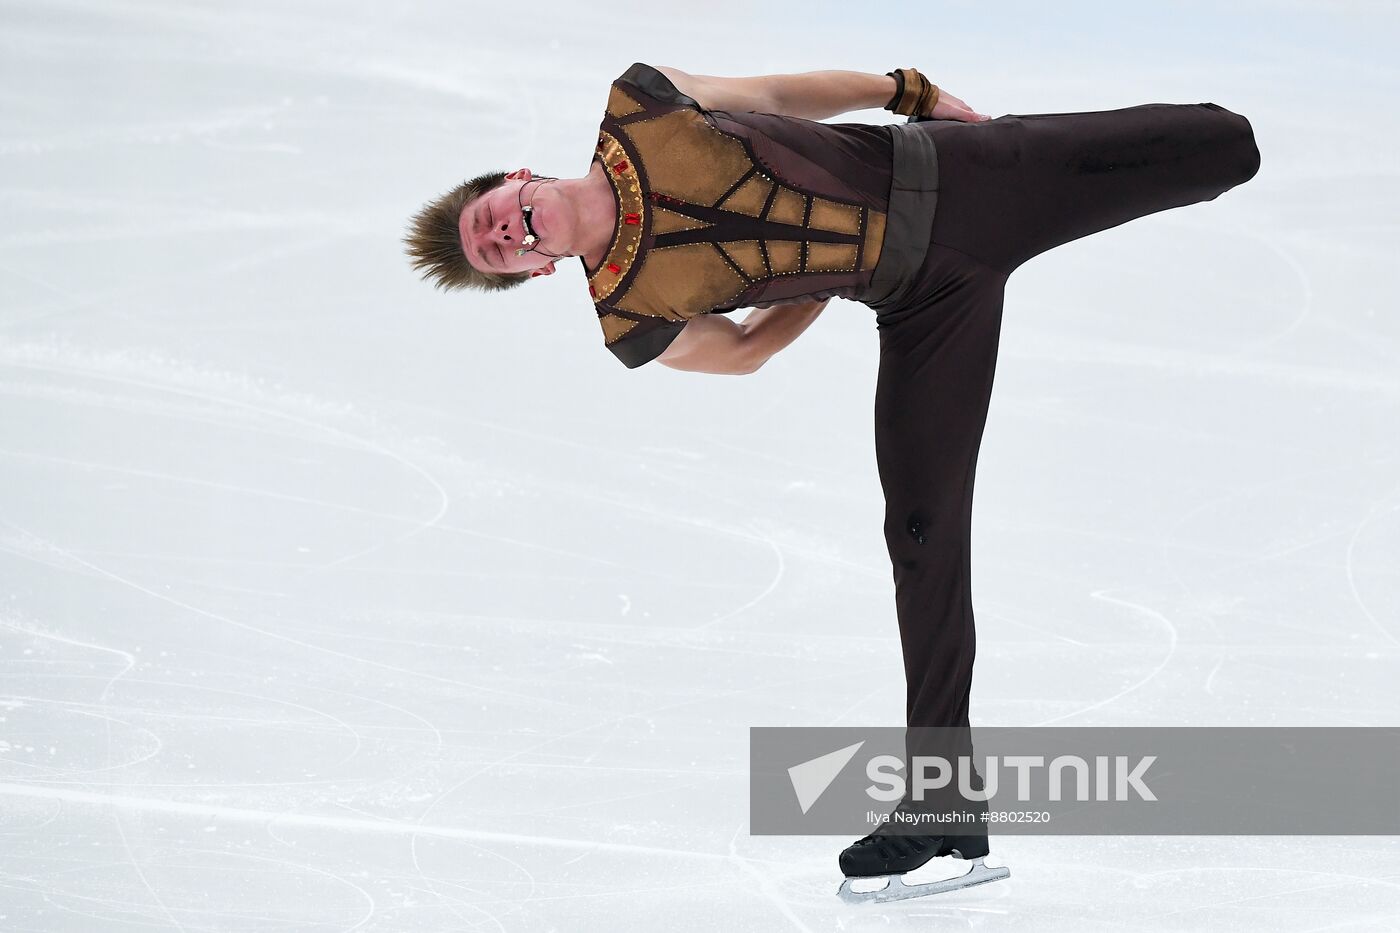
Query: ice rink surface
[[332, 603]]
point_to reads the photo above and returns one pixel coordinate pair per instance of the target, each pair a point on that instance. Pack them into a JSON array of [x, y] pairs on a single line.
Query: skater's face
[[493, 228]]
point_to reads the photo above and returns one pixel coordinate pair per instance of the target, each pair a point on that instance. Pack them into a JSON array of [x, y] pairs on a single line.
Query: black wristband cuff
[[899, 89]]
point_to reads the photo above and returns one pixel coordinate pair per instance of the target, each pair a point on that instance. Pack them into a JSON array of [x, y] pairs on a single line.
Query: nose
[[505, 233]]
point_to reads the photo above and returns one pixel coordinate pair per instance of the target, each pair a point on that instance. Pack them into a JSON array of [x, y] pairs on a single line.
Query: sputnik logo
[[810, 779]]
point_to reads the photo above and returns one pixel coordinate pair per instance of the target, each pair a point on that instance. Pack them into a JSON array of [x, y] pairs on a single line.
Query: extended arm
[[812, 95]]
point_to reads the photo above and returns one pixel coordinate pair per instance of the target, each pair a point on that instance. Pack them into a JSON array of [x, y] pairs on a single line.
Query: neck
[[596, 211]]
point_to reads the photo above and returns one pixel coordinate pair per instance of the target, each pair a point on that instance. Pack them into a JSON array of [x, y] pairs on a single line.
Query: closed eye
[[491, 214]]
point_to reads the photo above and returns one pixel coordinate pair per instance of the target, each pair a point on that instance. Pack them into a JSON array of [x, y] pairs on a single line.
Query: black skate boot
[[885, 853], [889, 853]]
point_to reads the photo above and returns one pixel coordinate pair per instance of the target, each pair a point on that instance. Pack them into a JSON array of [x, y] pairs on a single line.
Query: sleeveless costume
[[923, 222], [718, 211]]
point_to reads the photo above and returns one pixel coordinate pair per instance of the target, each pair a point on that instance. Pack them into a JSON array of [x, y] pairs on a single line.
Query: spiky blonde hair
[[434, 241]]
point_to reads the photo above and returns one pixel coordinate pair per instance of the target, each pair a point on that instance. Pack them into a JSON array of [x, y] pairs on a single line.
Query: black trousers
[[1008, 189]]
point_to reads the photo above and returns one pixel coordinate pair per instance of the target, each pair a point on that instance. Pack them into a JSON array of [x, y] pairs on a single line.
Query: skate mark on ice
[[764, 882], [353, 824], [523, 699], [32, 358], [1379, 508], [184, 479], [1166, 658], [779, 570]]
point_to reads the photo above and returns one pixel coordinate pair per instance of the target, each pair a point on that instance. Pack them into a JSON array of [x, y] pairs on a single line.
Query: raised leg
[[1016, 186]]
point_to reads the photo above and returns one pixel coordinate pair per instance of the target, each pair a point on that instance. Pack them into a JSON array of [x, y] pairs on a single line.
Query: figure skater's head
[[475, 235]]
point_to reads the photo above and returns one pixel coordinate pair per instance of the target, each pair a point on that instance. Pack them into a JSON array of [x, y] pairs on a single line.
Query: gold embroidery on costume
[[831, 257], [788, 208], [874, 239], [829, 215], [746, 256], [750, 197], [614, 326], [700, 163], [631, 217], [783, 255], [620, 105], [664, 221], [679, 282]]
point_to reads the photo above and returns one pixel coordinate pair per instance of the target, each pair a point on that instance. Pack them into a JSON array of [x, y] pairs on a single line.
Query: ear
[[520, 173], [547, 269]]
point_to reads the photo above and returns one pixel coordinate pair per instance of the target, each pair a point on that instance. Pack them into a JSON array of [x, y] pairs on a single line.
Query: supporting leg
[[931, 397], [937, 361]]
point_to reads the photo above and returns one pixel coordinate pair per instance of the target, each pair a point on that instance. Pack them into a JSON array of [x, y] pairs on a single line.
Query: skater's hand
[[951, 108]]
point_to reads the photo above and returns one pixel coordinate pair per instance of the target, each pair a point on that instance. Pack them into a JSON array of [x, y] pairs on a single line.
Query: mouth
[[537, 221]]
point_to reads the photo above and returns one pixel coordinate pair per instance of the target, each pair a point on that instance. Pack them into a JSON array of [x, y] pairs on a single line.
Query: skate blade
[[896, 890]]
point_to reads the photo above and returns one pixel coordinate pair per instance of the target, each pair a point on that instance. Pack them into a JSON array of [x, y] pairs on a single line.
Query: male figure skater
[[706, 195]]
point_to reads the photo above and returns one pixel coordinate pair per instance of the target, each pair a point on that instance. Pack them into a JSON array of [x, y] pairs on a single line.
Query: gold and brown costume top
[[718, 211]]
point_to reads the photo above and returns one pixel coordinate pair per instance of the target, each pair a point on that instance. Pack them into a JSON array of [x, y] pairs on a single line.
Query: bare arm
[[812, 95], [712, 343], [771, 329], [817, 95]]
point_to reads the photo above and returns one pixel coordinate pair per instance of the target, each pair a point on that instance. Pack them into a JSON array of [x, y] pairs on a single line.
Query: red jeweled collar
[[631, 217]]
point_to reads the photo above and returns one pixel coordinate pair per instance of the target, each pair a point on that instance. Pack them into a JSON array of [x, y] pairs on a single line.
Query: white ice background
[[333, 604]]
